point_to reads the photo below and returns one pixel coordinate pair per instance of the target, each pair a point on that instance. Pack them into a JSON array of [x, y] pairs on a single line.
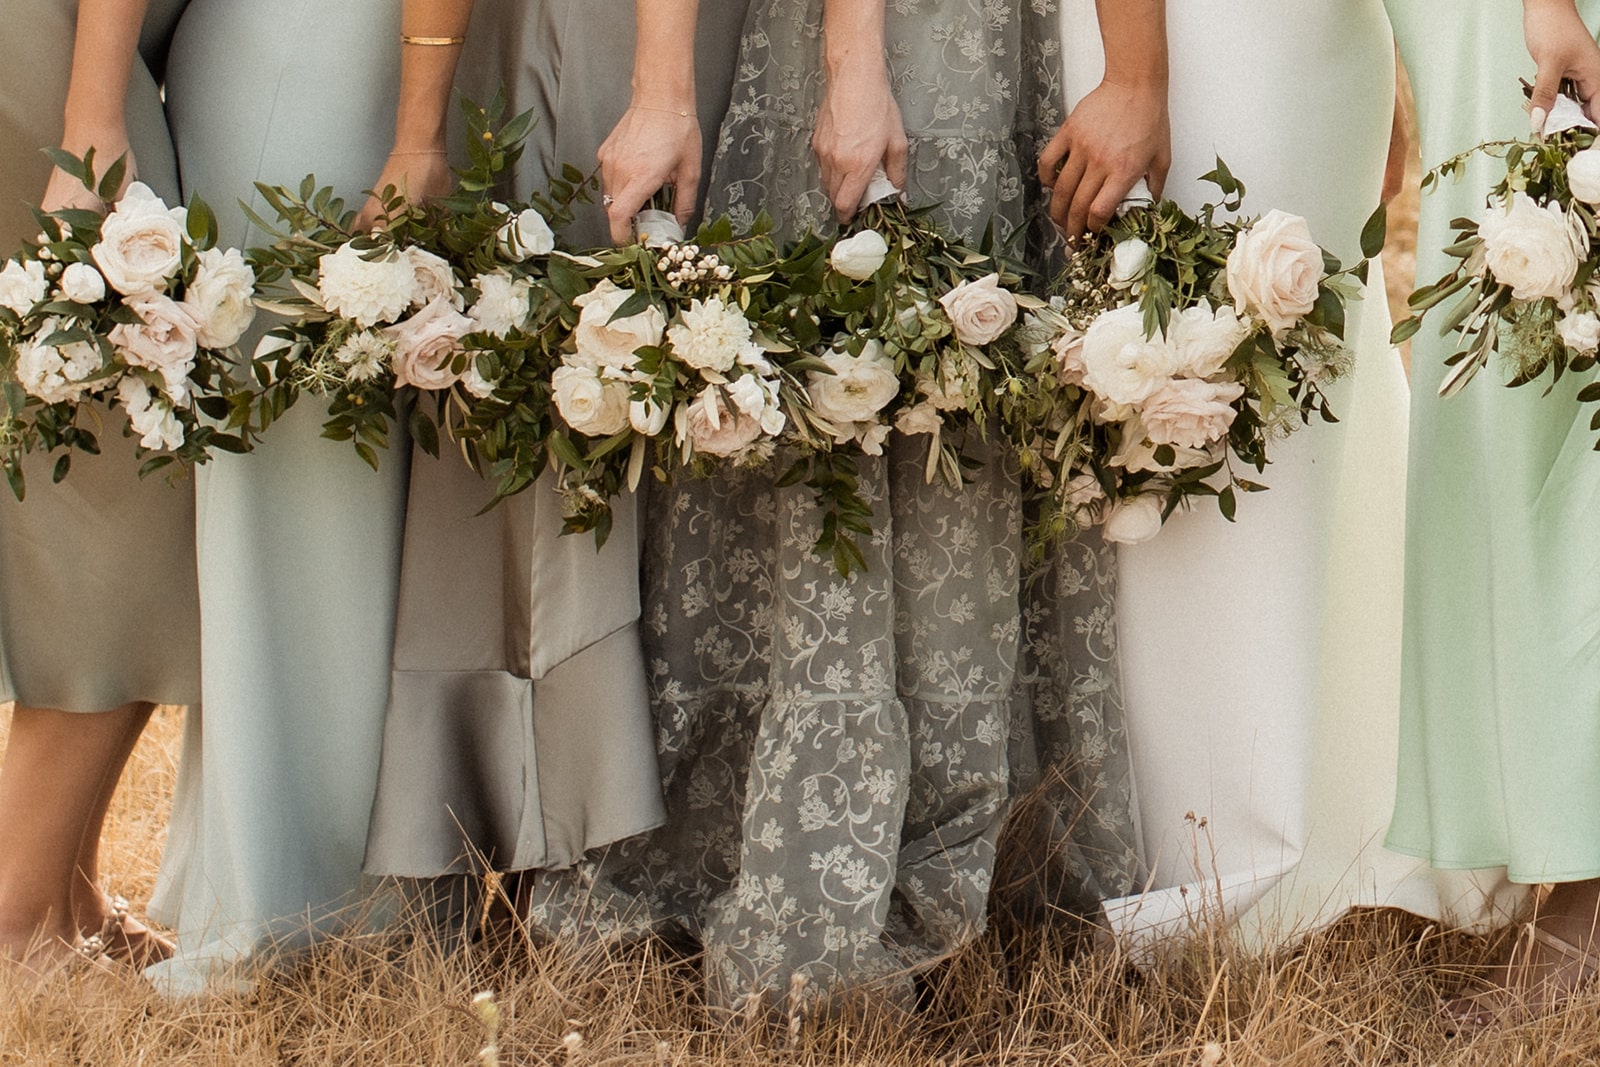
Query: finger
[[1103, 208], [625, 204], [894, 161], [1066, 187], [1082, 200], [686, 190], [852, 187], [1052, 158], [1588, 89], [1157, 177], [1545, 86]]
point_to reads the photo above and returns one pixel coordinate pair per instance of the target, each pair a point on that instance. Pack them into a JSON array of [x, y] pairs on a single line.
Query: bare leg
[[55, 770]]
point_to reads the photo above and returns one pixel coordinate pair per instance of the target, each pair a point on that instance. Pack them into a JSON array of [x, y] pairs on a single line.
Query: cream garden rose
[[141, 243], [718, 429], [427, 344], [165, 339], [860, 387], [592, 405], [221, 298], [434, 278], [23, 285], [859, 256], [368, 292], [82, 284], [601, 342], [1120, 364], [1190, 413], [1583, 175], [1205, 339], [980, 311], [1535, 250], [1133, 521], [1275, 270]]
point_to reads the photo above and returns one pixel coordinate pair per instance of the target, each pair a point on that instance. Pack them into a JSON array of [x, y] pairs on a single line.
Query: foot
[[122, 937], [43, 953], [1542, 971]]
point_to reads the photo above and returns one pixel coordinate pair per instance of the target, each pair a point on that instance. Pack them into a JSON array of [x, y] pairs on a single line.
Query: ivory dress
[[299, 542], [1261, 658], [98, 606], [519, 734], [1500, 741]]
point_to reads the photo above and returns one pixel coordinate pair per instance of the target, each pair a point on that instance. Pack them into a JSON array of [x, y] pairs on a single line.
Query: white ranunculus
[[502, 305], [1583, 175], [525, 236], [1190, 412], [1129, 260], [859, 256], [717, 429], [141, 243], [1205, 340], [860, 387], [591, 405], [1120, 364], [53, 374], [921, 418], [711, 335], [22, 285], [366, 355], [1580, 331], [1535, 250], [427, 344], [1133, 521], [165, 339], [1275, 270], [603, 343], [222, 298], [980, 311], [647, 417], [367, 292], [434, 278], [151, 417], [82, 284]]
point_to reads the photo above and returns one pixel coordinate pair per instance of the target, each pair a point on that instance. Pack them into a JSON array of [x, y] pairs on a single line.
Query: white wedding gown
[[1262, 659]]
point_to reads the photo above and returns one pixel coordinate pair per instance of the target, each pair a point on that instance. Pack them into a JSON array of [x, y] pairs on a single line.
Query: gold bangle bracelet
[[432, 42]]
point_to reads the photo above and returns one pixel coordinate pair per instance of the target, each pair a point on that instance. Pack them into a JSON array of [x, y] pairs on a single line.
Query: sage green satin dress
[[520, 729], [1500, 727], [98, 606], [299, 542]]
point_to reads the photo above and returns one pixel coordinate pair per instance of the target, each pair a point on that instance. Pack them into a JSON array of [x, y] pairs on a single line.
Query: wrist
[[665, 91]]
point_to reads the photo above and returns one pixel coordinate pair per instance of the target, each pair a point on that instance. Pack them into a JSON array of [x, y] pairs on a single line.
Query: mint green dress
[[299, 543], [98, 606], [1500, 729]]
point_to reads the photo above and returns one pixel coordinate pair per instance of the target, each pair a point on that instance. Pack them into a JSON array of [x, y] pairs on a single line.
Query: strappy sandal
[[117, 941], [1492, 1004]]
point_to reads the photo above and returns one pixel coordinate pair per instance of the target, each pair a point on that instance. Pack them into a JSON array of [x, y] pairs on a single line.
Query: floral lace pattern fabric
[[840, 754]]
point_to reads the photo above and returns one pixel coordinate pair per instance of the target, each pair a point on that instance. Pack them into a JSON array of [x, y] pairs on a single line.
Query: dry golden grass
[[1360, 993]]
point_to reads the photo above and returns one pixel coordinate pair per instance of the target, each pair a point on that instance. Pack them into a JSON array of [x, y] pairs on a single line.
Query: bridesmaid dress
[[98, 606], [1261, 658], [519, 732], [299, 543], [1500, 740]]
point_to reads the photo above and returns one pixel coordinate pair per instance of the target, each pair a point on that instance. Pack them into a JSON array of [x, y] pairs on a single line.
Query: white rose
[[473, 381], [141, 243], [1068, 348], [82, 284], [1276, 270], [718, 430], [1120, 364], [647, 417], [1190, 413], [22, 285], [1138, 453], [502, 305], [525, 236], [426, 345], [366, 291], [434, 278], [860, 387], [591, 405], [165, 339], [221, 298], [1580, 331], [56, 375], [603, 343], [1133, 521], [1583, 175], [1535, 250], [980, 311], [859, 256], [150, 417], [1205, 340], [918, 419], [1129, 260], [712, 335]]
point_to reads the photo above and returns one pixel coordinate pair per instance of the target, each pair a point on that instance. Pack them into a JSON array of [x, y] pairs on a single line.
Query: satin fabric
[[98, 605], [1500, 743], [299, 542], [1261, 658]]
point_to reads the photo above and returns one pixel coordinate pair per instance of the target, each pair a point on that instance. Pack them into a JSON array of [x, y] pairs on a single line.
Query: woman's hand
[[1562, 47], [1115, 136], [650, 147], [416, 175], [859, 129], [64, 192]]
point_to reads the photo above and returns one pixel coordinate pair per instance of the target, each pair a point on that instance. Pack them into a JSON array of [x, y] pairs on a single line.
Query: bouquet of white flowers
[[137, 310], [1525, 284], [1174, 347]]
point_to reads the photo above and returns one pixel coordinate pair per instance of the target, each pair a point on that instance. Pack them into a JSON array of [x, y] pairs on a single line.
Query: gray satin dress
[[519, 731], [299, 542], [98, 606]]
